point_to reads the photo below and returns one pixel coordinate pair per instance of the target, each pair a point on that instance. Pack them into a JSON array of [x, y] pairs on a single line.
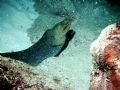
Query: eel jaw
[[70, 34], [59, 31]]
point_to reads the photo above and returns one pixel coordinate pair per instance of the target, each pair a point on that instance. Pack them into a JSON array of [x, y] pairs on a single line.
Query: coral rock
[[16, 75], [106, 54]]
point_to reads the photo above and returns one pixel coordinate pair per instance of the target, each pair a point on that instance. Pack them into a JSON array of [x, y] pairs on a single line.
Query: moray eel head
[[66, 24], [57, 35]]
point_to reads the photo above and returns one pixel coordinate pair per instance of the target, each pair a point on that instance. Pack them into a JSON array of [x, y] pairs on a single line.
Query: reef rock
[[105, 51], [16, 75]]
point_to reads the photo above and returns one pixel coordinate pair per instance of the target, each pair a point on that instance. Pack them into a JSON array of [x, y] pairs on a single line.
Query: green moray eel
[[52, 43]]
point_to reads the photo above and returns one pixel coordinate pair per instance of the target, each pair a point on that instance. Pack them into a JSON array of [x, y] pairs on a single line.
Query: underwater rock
[[106, 55], [16, 75]]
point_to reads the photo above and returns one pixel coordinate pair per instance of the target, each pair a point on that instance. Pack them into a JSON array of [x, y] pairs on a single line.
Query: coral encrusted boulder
[[16, 75], [105, 51]]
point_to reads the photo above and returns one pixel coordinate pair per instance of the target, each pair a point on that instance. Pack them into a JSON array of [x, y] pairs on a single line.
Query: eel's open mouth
[[70, 34]]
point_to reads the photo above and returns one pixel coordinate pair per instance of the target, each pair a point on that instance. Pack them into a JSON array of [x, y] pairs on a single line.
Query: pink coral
[[106, 53]]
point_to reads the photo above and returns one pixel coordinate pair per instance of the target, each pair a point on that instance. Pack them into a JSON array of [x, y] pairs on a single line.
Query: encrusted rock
[[106, 55], [16, 75]]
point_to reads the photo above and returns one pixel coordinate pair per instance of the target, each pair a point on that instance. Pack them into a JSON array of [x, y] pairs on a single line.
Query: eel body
[[52, 43]]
